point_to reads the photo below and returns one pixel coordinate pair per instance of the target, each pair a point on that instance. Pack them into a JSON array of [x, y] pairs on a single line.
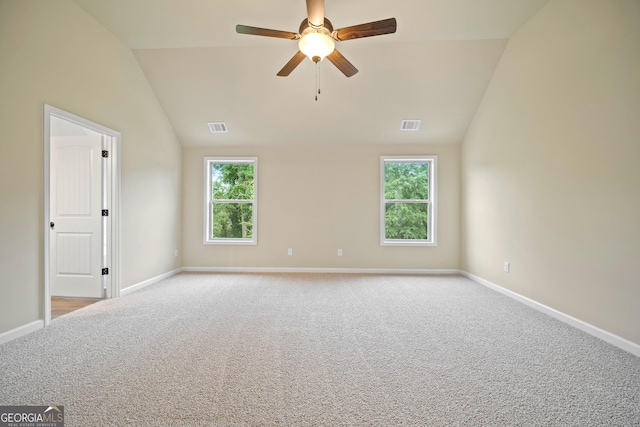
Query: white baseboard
[[144, 284], [613, 339], [318, 270], [21, 331]]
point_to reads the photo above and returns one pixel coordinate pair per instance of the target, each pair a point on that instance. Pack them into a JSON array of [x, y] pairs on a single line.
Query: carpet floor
[[319, 349]]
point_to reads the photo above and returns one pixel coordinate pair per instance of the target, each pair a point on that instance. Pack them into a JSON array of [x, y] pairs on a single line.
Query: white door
[[76, 216]]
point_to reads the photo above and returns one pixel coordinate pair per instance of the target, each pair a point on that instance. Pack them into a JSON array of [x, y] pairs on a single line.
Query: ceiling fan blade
[[377, 28], [292, 64], [342, 63], [255, 31], [315, 13]]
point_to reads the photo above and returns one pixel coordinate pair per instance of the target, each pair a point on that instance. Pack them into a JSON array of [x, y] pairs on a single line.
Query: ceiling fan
[[316, 38]]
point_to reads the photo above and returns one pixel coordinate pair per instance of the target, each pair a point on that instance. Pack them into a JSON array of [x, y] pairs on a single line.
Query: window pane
[[232, 220], [232, 181], [406, 180], [406, 221]]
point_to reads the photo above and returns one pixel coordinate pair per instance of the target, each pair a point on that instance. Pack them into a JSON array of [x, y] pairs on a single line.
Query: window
[[408, 201], [231, 189]]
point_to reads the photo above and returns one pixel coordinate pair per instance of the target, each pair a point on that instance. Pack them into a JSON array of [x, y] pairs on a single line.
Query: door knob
[[52, 224]]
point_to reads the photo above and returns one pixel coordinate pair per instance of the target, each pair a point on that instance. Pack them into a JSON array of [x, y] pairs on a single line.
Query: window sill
[[408, 243], [234, 242]]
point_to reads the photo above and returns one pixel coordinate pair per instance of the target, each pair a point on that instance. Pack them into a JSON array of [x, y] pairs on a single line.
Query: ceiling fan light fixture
[[316, 43]]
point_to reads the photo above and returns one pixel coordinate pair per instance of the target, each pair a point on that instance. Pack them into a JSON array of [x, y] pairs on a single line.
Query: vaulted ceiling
[[435, 68]]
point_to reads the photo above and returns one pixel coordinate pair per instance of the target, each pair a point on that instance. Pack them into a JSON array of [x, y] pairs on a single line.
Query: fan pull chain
[[317, 79], [318, 84], [317, 60]]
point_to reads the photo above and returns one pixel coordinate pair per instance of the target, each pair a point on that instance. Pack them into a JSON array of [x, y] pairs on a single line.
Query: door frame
[[112, 176]]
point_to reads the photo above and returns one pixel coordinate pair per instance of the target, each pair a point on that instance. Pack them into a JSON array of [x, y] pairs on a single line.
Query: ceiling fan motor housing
[[305, 24]]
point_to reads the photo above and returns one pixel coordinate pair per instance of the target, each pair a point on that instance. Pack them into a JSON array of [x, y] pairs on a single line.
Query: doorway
[[81, 209]]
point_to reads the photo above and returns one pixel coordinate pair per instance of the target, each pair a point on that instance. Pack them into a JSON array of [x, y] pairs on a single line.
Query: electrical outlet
[[175, 253], [339, 252], [289, 251], [507, 267]]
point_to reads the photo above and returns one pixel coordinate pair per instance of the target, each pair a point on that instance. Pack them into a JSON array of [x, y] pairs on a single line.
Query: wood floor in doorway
[[64, 305]]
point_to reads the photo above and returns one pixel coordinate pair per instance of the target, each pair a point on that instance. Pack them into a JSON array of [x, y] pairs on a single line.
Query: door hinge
[[105, 271], [105, 212], [105, 153]]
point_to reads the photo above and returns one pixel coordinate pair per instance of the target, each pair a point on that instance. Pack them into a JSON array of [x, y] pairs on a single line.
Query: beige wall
[[550, 165], [316, 199], [53, 52]]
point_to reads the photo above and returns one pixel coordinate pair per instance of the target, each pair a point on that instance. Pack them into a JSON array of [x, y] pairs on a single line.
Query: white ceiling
[[435, 68]]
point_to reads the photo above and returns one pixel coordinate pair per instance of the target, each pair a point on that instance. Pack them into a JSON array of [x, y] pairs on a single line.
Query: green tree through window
[[407, 203], [231, 198]]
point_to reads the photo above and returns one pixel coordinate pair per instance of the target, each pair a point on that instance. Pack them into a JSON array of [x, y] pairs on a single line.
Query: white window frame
[[431, 202], [208, 201]]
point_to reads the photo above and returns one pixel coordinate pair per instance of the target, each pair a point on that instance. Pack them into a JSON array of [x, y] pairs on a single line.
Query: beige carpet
[[314, 349]]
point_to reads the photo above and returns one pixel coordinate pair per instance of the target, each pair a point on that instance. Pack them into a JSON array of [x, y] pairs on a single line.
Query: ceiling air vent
[[218, 127], [410, 125]]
